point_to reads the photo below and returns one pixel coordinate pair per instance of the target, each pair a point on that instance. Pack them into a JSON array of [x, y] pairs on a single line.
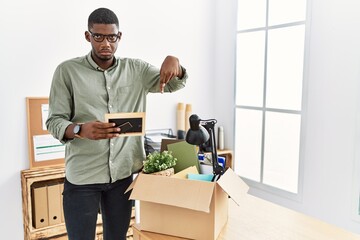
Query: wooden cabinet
[[29, 178], [49, 175]]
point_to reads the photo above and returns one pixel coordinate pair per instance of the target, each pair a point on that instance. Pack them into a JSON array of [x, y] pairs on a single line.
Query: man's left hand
[[170, 68]]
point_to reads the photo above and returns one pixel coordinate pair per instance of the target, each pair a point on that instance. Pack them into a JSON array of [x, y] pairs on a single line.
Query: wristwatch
[[77, 130]]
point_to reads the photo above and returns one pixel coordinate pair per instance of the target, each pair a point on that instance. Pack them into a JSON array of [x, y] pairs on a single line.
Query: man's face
[[104, 39]]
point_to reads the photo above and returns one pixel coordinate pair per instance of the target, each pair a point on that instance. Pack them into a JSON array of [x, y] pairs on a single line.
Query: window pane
[[250, 68], [286, 11], [251, 14], [248, 143], [285, 68], [281, 153]]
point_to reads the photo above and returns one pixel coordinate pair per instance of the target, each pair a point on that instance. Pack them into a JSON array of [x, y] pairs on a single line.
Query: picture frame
[[131, 124]]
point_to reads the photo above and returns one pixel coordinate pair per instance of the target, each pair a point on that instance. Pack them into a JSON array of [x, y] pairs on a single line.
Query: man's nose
[[106, 42]]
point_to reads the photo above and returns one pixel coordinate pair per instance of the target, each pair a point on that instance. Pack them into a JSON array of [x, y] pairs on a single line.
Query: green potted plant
[[160, 163]]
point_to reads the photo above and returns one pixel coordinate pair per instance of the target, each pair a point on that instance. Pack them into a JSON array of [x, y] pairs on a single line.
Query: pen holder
[[181, 134]]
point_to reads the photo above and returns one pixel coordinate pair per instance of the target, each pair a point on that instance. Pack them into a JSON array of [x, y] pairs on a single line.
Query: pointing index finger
[[162, 87]]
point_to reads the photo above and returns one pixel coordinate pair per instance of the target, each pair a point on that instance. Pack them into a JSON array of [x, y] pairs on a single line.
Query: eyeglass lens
[[100, 37]]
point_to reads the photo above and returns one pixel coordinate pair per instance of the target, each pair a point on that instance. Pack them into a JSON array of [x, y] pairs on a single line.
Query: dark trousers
[[81, 205]]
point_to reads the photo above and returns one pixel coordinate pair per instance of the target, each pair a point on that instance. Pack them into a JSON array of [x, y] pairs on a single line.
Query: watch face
[[77, 129]]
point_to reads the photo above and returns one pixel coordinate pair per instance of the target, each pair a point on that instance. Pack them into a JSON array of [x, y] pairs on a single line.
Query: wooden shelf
[[53, 232]]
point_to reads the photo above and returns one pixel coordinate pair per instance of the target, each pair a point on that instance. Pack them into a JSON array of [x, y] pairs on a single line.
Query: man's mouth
[[105, 52]]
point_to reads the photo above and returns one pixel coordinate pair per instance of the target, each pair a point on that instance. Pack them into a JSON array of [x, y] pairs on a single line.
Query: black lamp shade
[[197, 134]]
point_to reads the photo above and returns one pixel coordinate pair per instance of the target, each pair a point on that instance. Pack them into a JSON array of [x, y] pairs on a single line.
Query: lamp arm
[[217, 169], [213, 145]]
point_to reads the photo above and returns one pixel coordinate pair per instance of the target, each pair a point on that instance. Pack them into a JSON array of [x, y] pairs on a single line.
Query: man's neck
[[103, 64]]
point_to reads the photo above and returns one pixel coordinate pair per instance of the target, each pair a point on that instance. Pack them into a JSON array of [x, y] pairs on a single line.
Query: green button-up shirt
[[80, 92]]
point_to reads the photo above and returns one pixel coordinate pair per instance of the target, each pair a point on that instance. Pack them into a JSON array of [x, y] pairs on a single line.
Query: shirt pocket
[[125, 90], [124, 94]]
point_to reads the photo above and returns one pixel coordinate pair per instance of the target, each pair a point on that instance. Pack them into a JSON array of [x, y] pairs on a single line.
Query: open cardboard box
[[186, 208]]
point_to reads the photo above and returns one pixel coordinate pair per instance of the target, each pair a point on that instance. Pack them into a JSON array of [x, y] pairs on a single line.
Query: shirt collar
[[95, 66]]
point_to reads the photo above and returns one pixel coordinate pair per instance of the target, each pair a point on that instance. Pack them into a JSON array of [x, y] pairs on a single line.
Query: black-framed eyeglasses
[[112, 38]]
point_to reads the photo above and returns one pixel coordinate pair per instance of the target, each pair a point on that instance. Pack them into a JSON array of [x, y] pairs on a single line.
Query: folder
[[61, 201], [40, 206], [166, 141], [54, 205], [201, 177], [186, 155]]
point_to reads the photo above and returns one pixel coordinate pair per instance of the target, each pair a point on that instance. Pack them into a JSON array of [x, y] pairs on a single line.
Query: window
[[269, 82], [355, 208]]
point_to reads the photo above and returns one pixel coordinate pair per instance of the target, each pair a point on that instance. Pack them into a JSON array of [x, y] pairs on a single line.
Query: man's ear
[[87, 36]]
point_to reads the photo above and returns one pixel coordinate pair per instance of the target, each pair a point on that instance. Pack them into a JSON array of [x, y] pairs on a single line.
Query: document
[[46, 147]]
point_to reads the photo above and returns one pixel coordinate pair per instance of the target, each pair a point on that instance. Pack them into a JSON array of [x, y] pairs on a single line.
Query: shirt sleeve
[[176, 83], [60, 105], [151, 79]]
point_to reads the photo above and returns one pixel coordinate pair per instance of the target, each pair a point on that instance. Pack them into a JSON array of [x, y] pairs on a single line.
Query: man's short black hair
[[102, 16]]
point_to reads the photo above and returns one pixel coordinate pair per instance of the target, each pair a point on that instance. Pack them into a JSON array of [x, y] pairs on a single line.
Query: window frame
[[260, 187], [355, 203]]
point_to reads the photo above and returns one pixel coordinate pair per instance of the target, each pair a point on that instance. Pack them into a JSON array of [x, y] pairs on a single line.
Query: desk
[[257, 219]]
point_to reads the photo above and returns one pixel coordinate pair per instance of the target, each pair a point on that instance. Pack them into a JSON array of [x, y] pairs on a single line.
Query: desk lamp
[[197, 135]]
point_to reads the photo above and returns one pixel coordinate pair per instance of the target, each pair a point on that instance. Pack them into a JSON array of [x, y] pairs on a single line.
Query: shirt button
[[109, 88], [110, 106]]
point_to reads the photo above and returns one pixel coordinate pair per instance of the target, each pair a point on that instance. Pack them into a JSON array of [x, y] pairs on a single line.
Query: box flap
[[233, 185], [184, 173], [195, 195]]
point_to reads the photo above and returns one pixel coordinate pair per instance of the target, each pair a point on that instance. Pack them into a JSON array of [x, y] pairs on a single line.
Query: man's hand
[[98, 130], [170, 68]]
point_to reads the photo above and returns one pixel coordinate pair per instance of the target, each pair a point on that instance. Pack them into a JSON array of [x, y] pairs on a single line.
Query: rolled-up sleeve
[[59, 106], [151, 78]]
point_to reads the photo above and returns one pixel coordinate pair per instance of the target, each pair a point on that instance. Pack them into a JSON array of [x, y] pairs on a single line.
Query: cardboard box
[[186, 208]]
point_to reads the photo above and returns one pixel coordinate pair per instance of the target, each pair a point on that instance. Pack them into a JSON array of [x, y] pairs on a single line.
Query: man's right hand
[[94, 130]]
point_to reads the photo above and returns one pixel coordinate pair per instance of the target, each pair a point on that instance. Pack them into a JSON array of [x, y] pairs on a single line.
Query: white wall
[[37, 35], [332, 106]]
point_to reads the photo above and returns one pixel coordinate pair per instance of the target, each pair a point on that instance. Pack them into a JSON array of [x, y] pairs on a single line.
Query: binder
[[54, 205], [40, 206], [61, 201]]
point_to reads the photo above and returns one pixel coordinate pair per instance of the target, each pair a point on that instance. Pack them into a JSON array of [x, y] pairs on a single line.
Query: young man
[[99, 164]]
